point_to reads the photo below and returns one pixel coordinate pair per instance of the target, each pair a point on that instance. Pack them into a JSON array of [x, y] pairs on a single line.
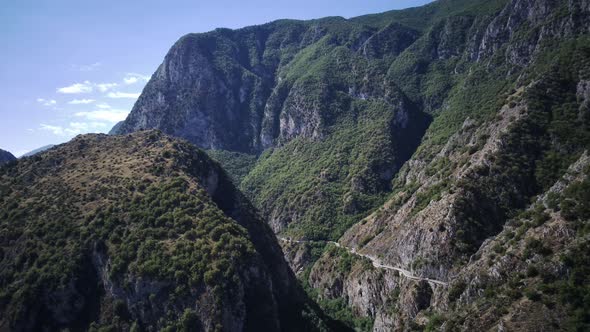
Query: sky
[[69, 67]]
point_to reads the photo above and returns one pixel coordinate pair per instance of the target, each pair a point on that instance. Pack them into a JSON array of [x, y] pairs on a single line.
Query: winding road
[[374, 260]]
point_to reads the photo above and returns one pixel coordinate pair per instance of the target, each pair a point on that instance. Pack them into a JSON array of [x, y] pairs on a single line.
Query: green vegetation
[[236, 164], [127, 223], [319, 186]]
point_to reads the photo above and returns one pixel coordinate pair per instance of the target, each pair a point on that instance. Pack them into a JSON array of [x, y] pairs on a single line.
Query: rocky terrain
[[6, 156], [138, 232]]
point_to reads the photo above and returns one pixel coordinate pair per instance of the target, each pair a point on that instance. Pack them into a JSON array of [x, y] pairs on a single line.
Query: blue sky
[[69, 67]]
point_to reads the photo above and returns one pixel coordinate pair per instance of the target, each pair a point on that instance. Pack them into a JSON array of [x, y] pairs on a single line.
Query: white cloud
[[104, 87], [75, 88], [56, 130], [81, 101], [87, 126], [86, 87], [109, 115], [74, 128], [119, 95], [132, 78], [46, 102], [104, 106]]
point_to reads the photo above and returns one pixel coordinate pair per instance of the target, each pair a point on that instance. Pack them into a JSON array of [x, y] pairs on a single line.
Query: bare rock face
[[533, 14], [216, 93], [235, 90], [487, 270], [188, 97]]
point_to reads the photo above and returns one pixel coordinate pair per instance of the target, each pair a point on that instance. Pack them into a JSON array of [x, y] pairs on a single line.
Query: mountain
[[6, 156], [38, 150], [115, 128], [138, 232], [423, 169]]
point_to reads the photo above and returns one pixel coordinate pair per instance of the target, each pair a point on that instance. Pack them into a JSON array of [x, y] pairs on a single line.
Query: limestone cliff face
[[215, 89], [541, 24], [199, 97], [233, 90]]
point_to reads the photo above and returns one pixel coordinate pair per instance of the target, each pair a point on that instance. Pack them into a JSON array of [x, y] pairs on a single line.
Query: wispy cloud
[[76, 88], [74, 128], [46, 102], [87, 126], [119, 95], [81, 101], [104, 87], [132, 78], [57, 130], [110, 115]]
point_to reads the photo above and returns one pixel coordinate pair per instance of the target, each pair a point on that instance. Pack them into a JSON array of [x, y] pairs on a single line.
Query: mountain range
[[423, 169]]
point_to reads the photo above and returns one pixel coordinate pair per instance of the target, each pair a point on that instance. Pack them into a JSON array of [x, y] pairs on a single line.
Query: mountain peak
[[6, 156], [144, 230]]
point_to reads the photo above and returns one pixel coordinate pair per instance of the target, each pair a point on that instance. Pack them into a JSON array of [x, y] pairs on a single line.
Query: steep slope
[[115, 128], [507, 132], [6, 156], [534, 274], [137, 231], [307, 93]]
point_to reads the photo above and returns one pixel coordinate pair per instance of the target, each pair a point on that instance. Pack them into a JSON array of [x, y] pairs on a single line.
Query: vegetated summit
[[6, 156], [138, 232]]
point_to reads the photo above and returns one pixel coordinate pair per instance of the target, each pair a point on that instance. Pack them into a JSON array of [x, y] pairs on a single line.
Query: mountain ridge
[[149, 233], [6, 157]]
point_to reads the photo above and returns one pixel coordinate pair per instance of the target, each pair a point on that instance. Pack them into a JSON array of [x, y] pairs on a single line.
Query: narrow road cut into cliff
[[374, 260]]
